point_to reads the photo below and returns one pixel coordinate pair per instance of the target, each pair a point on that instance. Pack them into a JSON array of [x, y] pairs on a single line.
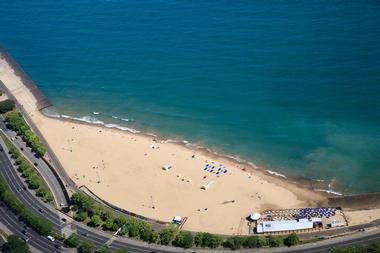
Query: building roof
[[285, 225]]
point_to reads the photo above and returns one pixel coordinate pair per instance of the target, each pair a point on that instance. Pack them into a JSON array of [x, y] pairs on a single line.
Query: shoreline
[[45, 105], [304, 183], [94, 142]]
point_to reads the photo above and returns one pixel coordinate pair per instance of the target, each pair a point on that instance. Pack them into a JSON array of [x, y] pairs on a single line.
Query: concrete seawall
[[42, 100], [357, 202]]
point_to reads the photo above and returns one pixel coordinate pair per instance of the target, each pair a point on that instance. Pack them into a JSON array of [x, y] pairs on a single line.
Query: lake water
[[292, 85]]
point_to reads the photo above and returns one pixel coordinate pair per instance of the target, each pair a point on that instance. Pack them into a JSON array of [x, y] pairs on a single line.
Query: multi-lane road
[[59, 195], [18, 186]]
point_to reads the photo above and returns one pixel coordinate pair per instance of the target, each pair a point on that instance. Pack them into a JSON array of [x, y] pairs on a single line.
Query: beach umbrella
[[254, 216]]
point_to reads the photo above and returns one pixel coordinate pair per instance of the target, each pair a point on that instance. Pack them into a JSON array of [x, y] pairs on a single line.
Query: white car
[[51, 238]]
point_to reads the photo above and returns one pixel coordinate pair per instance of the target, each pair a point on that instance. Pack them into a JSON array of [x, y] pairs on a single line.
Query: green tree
[[121, 220], [105, 214], [154, 237], [145, 230], [104, 249], [275, 241], [262, 242], [109, 224], [167, 235], [7, 105], [77, 198], [34, 182], [251, 242], [234, 242], [72, 241], [208, 240], [15, 244], [375, 247], [81, 216], [291, 240], [184, 239], [96, 220], [121, 251], [198, 239], [16, 122], [86, 247], [133, 227]]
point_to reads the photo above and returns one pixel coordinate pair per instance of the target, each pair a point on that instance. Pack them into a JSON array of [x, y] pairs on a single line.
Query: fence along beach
[[126, 170]]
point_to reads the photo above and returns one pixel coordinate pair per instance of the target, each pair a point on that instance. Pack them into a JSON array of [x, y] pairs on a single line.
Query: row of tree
[[16, 122], [97, 215], [33, 178], [36, 221], [371, 248], [15, 244]]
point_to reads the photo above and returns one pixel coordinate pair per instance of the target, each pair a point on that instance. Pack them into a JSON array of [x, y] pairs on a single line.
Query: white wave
[[125, 119], [122, 128], [329, 191], [96, 113], [253, 165], [115, 117], [51, 113], [275, 173], [88, 119]]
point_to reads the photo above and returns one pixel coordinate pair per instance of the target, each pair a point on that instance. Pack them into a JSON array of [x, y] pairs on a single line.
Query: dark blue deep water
[[293, 85]]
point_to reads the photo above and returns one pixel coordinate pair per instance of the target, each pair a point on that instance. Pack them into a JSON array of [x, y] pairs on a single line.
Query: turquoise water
[[293, 85]]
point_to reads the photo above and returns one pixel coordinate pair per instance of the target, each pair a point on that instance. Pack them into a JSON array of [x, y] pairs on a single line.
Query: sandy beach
[[126, 169]]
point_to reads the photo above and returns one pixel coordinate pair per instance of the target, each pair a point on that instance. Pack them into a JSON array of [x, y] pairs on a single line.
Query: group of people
[[212, 168]]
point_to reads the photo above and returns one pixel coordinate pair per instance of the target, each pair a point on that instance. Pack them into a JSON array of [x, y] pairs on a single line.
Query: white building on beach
[[283, 225]]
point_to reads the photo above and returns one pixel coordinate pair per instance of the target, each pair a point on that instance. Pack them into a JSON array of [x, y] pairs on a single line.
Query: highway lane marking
[[13, 179], [17, 227]]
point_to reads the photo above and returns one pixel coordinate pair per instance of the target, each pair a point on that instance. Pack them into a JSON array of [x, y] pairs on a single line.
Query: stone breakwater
[[42, 100]]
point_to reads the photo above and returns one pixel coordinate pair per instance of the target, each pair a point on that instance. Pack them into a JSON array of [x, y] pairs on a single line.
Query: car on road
[[25, 238], [51, 238], [83, 233]]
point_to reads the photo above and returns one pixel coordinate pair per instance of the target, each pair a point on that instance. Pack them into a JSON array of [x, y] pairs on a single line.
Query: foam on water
[[88, 120]]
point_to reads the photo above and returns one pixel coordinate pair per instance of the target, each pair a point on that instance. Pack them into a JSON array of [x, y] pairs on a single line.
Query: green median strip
[[28, 171], [16, 122], [36, 221]]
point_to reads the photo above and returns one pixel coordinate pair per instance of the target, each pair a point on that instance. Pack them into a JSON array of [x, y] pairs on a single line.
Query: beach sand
[[126, 169], [356, 217]]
